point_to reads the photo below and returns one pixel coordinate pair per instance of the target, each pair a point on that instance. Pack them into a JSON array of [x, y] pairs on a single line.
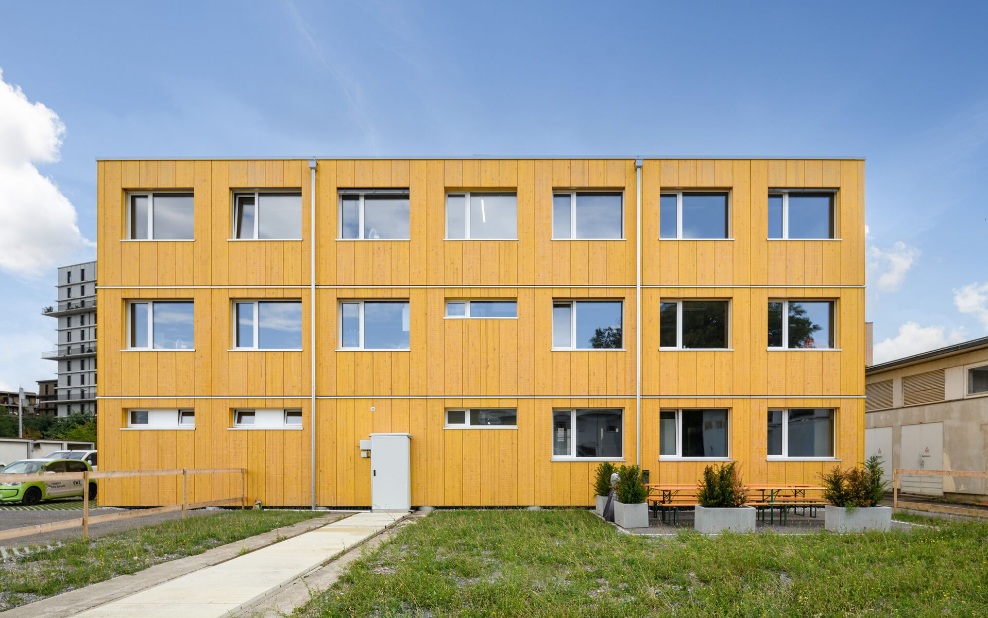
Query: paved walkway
[[225, 587]]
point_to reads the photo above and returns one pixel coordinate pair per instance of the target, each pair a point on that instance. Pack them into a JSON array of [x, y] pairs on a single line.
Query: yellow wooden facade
[[468, 363]]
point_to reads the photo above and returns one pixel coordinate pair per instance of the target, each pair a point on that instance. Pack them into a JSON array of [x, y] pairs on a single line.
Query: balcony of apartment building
[[70, 307], [71, 350], [71, 394]]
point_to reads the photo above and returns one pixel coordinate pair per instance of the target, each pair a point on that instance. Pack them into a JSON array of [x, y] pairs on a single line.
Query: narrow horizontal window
[[482, 418], [801, 433], [977, 380], [477, 216], [161, 325], [267, 419], [374, 214], [801, 214], [267, 325], [375, 325], [587, 215], [267, 216], [801, 324], [587, 325], [161, 216], [587, 433], [685, 215], [481, 309], [694, 325], [693, 433], [162, 419]]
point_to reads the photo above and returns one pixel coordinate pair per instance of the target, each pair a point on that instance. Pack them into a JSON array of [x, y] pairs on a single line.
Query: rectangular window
[[374, 214], [693, 215], [267, 325], [595, 215], [587, 325], [694, 325], [800, 324], [481, 309], [162, 419], [801, 214], [267, 216], [977, 380], [374, 325], [293, 418], [477, 216], [267, 419], [161, 325], [801, 433], [161, 216], [587, 434], [484, 418], [693, 434]]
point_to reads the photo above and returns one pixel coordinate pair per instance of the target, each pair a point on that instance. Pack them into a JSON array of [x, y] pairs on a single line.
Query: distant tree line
[[76, 427]]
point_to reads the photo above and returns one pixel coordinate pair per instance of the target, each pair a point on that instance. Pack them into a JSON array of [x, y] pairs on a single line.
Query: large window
[[801, 214], [693, 215], [482, 418], [161, 325], [267, 216], [267, 419], [801, 433], [374, 214], [161, 419], [694, 325], [481, 309], [588, 433], [577, 215], [977, 380], [587, 325], [268, 325], [693, 433], [482, 216], [800, 324], [374, 325], [161, 216]]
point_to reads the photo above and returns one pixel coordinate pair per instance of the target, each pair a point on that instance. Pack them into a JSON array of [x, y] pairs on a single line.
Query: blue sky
[[904, 84]]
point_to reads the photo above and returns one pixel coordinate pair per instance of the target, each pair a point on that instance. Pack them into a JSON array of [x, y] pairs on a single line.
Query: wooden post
[[85, 505], [243, 488], [185, 496]]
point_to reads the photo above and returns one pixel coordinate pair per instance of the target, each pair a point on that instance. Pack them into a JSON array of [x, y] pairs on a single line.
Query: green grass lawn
[[80, 563], [570, 563]]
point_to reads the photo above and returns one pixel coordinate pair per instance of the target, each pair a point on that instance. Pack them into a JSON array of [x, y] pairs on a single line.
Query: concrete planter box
[[712, 521], [631, 515], [840, 519], [599, 502]]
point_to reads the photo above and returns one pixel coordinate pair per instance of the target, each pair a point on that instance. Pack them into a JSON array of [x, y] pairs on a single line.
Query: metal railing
[[81, 304], [67, 351]]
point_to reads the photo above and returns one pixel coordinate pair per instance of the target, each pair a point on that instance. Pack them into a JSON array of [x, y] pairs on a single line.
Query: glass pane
[[456, 221], [493, 418], [245, 325], [811, 433], [493, 309], [667, 325], [811, 215], [668, 227], [561, 325], [599, 215], [172, 216], [561, 216], [456, 309], [598, 433], [809, 324], [139, 216], [351, 325], [138, 417], [386, 216], [667, 433], [244, 217], [386, 326], [561, 433], [173, 326], [704, 215], [704, 433], [293, 418], [598, 324], [279, 216], [279, 325], [775, 324], [775, 216], [245, 418], [186, 417], [977, 380], [704, 324], [139, 325], [456, 417], [775, 432], [493, 215], [350, 222]]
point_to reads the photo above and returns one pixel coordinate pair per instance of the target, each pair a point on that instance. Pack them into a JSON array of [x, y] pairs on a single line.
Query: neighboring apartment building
[[47, 397], [930, 411], [522, 319], [75, 310]]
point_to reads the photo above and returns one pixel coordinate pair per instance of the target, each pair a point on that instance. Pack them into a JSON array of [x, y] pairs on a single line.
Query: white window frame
[[150, 230], [785, 438], [360, 318], [256, 194], [679, 324], [572, 325], [266, 419], [968, 382], [162, 419], [679, 436], [785, 324], [785, 211], [466, 421], [572, 213], [406, 193], [466, 309], [572, 456], [150, 325], [466, 215], [233, 334], [729, 231]]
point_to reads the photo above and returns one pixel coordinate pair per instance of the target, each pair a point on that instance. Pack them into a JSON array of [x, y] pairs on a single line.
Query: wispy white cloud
[[38, 230], [891, 265], [973, 299], [913, 339]]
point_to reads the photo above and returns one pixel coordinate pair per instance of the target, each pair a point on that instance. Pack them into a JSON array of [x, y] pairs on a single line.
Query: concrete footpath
[[229, 587]]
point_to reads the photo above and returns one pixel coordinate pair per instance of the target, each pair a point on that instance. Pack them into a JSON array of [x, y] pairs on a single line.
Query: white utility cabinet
[[391, 472]]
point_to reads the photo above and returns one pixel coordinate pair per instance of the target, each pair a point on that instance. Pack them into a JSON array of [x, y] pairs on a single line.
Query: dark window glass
[[811, 433], [704, 433], [775, 432], [598, 324], [704, 324], [775, 324], [810, 324], [172, 217], [493, 418], [351, 216], [668, 221], [667, 433], [977, 380], [245, 216], [598, 433], [386, 217], [562, 433], [139, 217], [667, 325]]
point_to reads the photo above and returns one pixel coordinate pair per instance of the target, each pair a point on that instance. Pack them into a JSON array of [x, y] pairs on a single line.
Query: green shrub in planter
[[855, 487], [721, 487], [630, 488], [602, 483]]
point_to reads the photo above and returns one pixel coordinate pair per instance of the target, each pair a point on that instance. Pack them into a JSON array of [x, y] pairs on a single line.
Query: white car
[[87, 456]]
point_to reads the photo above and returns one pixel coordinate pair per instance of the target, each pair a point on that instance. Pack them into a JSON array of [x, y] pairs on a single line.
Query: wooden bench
[[786, 498], [671, 499]]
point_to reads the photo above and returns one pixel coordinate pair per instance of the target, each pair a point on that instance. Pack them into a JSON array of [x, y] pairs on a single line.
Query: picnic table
[[670, 498], [785, 496]]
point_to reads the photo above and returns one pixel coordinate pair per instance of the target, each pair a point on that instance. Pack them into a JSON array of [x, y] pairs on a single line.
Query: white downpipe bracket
[[638, 312], [312, 324]]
